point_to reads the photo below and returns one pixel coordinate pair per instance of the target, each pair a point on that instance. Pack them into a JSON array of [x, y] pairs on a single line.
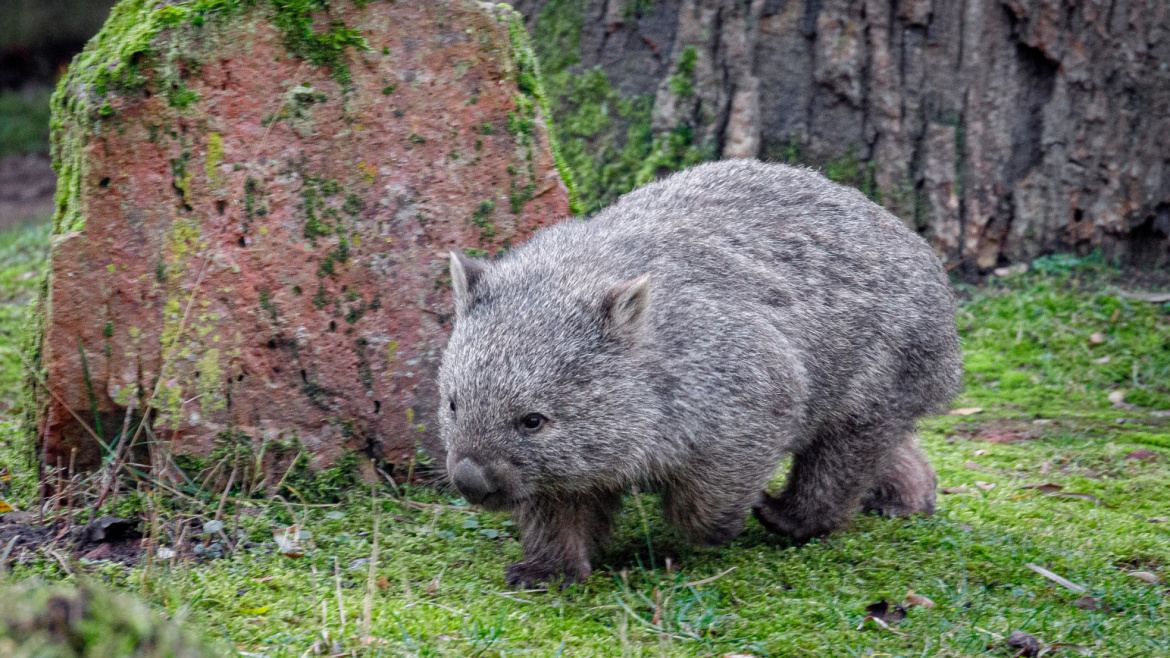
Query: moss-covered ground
[[1044, 351]]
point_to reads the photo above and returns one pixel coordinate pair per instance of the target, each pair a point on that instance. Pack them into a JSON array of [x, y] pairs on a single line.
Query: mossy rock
[[255, 204]]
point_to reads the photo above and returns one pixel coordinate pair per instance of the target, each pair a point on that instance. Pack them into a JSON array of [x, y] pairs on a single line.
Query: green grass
[[1030, 358], [24, 122]]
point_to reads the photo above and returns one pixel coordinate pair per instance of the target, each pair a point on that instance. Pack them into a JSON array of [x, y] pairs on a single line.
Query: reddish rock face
[[266, 247]]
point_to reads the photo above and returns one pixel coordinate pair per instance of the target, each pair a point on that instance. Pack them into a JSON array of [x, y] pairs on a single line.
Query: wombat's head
[[539, 383]]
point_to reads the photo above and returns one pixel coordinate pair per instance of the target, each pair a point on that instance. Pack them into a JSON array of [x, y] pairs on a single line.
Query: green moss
[[266, 304], [843, 169], [210, 381], [214, 158], [353, 205], [252, 191], [329, 47], [682, 83], [528, 79], [181, 98], [482, 217]]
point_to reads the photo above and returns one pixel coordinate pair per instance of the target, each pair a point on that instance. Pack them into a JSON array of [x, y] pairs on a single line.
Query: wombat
[[685, 340]]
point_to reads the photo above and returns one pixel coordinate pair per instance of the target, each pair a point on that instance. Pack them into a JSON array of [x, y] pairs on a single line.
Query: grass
[[1043, 386], [24, 122]]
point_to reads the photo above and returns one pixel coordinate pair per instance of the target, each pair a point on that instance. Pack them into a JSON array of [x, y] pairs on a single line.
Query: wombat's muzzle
[[479, 485]]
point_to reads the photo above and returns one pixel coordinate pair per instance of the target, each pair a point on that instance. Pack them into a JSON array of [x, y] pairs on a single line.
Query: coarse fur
[[685, 340]]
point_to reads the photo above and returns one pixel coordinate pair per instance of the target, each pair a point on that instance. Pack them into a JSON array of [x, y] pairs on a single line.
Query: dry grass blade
[[1043, 487], [1059, 580], [507, 596], [438, 605], [64, 564], [340, 598], [704, 581], [1079, 496], [372, 578], [7, 552]]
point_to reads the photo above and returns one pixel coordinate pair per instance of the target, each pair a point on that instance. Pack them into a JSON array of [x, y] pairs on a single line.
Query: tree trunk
[[1001, 130]]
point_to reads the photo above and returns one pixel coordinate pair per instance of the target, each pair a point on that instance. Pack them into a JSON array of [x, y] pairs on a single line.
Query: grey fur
[[782, 314]]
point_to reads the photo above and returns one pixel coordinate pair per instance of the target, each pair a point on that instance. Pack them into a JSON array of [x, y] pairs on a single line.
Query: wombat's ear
[[466, 274], [625, 305]]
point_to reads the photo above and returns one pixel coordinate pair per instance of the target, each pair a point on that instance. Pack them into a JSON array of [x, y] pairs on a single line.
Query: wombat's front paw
[[770, 513], [522, 575]]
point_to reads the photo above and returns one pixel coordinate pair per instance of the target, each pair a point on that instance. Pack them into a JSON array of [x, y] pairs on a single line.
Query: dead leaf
[[973, 466], [1143, 455], [980, 453], [288, 542], [1044, 468], [738, 655], [383, 582], [264, 579], [954, 490], [1028, 645], [1102, 360], [882, 610], [1043, 487], [434, 586], [1059, 580], [1079, 496], [986, 486], [1097, 338], [965, 411], [1159, 519], [918, 599], [1150, 578]]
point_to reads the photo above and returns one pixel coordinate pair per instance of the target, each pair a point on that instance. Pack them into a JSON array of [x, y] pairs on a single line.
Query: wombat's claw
[[523, 575]]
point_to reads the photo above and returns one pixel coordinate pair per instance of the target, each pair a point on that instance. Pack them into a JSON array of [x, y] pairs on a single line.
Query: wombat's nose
[[471, 481]]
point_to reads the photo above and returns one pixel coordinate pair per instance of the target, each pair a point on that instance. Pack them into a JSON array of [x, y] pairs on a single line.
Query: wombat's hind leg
[[828, 480], [559, 536], [905, 486], [708, 515]]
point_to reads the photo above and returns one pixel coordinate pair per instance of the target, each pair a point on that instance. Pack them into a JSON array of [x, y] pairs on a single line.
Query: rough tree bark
[[999, 129]]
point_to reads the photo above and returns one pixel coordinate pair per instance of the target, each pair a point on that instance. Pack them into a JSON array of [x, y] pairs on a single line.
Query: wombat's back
[[778, 255]]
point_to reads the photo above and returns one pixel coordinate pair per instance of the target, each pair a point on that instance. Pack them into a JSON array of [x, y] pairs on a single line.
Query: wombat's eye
[[533, 422], [452, 405]]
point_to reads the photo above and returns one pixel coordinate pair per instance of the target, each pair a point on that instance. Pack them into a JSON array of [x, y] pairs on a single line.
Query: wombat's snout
[[478, 484]]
